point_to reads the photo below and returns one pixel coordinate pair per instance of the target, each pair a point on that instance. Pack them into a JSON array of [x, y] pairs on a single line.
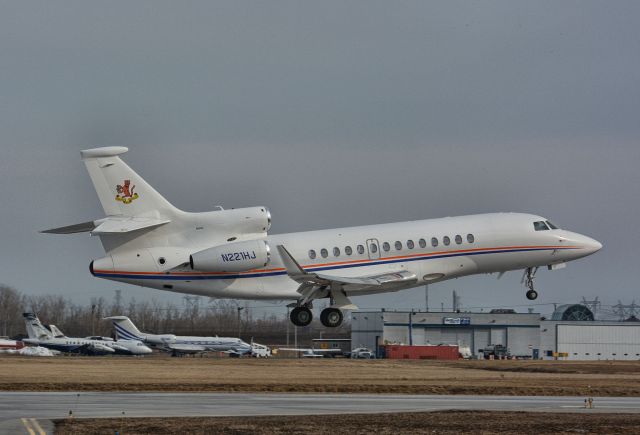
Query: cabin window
[[422, 243], [348, 250], [398, 245], [446, 240], [373, 247], [470, 238], [312, 254], [360, 249], [386, 246], [410, 244], [458, 239], [324, 253], [336, 252], [540, 226], [434, 242]]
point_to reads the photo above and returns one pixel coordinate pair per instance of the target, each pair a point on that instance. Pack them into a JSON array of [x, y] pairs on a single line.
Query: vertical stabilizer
[[35, 329], [125, 329], [122, 192]]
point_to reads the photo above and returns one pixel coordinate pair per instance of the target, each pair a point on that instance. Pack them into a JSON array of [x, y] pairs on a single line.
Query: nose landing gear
[[527, 279]]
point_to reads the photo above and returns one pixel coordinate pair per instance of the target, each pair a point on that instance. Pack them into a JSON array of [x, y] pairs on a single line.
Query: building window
[[458, 239], [324, 253], [336, 252], [386, 246], [446, 240], [312, 254], [422, 243], [348, 250], [470, 238], [398, 245], [410, 244], [360, 249]]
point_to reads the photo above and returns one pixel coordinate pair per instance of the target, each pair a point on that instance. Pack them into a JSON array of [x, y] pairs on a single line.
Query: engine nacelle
[[161, 339], [232, 257]]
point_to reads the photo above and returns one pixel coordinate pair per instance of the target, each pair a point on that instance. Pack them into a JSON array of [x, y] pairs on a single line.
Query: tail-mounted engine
[[232, 257]]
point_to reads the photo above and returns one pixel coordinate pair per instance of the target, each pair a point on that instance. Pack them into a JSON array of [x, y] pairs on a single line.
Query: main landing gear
[[527, 278], [329, 317], [301, 316]]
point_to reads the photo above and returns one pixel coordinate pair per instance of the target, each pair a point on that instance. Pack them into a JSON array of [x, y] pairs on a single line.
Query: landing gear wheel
[[331, 317], [527, 279], [301, 316]]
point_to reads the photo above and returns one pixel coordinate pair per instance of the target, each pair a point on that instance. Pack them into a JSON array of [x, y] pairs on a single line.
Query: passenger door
[[373, 248]]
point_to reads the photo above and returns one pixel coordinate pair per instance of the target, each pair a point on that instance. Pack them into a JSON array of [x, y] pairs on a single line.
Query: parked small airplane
[[228, 253], [39, 335], [310, 352], [178, 344]]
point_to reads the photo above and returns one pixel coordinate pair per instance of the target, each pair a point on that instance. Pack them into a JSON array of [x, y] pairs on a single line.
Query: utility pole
[[239, 324], [426, 298], [93, 317], [287, 322]]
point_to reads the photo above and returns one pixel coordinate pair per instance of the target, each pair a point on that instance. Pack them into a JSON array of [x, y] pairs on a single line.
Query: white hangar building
[[570, 334]]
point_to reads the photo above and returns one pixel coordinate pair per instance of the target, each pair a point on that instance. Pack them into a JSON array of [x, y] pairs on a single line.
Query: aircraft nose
[[590, 245]]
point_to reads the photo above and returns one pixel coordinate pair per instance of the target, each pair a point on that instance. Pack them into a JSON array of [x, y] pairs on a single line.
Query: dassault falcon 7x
[[229, 253]]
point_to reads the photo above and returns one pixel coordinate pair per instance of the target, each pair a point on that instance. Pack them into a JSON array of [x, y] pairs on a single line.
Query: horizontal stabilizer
[[84, 227], [113, 225], [110, 225]]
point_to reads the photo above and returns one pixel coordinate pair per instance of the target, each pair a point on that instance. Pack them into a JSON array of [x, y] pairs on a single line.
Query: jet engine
[[160, 339], [232, 257]]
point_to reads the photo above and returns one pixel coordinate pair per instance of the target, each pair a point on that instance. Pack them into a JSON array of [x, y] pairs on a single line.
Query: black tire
[[532, 295], [331, 317], [301, 316]]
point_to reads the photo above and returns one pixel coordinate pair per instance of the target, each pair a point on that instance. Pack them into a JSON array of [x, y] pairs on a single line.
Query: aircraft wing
[[186, 348], [310, 280]]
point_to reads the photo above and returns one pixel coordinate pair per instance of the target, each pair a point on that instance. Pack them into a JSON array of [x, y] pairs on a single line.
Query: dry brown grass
[[448, 422], [320, 375]]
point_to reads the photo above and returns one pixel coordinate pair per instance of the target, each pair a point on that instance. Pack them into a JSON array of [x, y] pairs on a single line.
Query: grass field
[[448, 422], [160, 373]]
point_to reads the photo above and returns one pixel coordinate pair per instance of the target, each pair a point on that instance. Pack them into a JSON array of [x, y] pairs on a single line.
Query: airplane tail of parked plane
[[35, 329], [125, 329]]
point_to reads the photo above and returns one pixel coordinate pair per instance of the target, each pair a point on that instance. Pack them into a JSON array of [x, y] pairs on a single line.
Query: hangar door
[[456, 336], [599, 342]]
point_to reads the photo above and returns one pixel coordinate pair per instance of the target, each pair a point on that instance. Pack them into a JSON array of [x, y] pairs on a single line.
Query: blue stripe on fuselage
[[374, 262]]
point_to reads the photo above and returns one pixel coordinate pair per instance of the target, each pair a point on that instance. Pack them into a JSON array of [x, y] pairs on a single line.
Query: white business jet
[[179, 344], [229, 254], [54, 339]]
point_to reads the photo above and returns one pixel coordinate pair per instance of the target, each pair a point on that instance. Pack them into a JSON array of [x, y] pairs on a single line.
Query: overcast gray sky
[[332, 113]]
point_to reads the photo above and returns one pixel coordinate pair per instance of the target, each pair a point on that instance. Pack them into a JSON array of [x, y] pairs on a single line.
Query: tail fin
[[121, 191], [35, 329], [56, 332], [125, 329]]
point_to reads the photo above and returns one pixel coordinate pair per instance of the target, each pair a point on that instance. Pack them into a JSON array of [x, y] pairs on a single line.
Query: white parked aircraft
[[54, 339], [179, 344], [228, 253]]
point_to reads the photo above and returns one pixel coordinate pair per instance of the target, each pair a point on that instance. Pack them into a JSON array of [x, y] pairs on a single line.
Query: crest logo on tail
[[125, 192]]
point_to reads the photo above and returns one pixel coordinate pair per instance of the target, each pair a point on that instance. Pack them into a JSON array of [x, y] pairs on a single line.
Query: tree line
[[198, 316]]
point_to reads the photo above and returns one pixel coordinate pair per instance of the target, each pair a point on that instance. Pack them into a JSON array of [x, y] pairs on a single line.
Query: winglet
[[294, 270]]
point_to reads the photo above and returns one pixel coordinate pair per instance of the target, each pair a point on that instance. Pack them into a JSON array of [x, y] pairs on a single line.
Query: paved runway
[[44, 406]]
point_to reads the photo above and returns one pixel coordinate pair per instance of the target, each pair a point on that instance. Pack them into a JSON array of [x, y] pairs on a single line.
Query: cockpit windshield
[[544, 226], [540, 226]]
